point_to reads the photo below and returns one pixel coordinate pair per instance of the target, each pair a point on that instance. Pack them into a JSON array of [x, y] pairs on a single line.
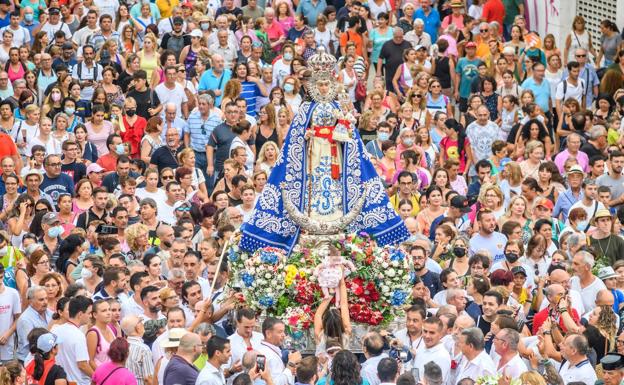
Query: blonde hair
[[267, 144], [531, 146], [513, 200], [513, 172], [532, 378], [184, 154], [491, 187], [132, 233]]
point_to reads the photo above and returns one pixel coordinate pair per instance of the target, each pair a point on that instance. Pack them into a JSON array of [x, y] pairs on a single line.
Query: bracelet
[[547, 332], [562, 310]]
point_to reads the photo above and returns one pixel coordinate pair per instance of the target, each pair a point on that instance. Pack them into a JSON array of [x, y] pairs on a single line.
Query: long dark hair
[[345, 369], [332, 323], [526, 130], [461, 133], [66, 249]]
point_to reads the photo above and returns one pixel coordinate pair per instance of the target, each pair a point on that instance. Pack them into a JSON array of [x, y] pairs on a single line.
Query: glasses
[[182, 70], [484, 30], [46, 262], [580, 55], [167, 177], [54, 164]]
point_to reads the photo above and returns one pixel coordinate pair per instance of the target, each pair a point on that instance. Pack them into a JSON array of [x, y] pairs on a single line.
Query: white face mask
[[85, 273]]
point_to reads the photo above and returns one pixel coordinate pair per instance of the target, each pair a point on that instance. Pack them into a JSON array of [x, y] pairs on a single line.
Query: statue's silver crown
[[321, 63]]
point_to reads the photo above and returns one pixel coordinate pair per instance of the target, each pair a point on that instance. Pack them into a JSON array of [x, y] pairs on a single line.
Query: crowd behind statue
[[136, 137]]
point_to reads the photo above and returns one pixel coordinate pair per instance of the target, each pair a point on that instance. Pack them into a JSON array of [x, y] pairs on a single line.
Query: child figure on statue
[[329, 272]]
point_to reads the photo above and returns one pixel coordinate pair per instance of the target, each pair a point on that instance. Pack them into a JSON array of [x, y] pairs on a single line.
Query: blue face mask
[[408, 142], [55, 232], [582, 225], [289, 87], [383, 136], [29, 17], [70, 110], [288, 56], [120, 149]]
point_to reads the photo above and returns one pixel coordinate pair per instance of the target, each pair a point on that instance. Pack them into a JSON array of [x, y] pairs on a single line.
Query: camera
[[400, 353]]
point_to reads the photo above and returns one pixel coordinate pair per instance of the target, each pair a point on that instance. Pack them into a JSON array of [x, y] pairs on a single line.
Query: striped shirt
[[200, 130], [139, 360]]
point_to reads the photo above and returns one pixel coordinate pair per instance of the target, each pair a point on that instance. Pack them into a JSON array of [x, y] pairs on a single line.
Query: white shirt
[[514, 368], [52, 29], [590, 210], [416, 345], [369, 369], [280, 374], [572, 91], [10, 307], [581, 372], [210, 375], [437, 354], [82, 35], [481, 365], [21, 35], [165, 213], [71, 351], [494, 244], [238, 347], [107, 7], [588, 294], [176, 96], [131, 307]]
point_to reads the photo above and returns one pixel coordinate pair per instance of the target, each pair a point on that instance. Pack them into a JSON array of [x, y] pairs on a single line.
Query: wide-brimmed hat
[[606, 273], [173, 338]]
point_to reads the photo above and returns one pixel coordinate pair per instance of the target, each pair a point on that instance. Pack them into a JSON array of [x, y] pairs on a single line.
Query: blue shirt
[[62, 184], [209, 81], [250, 92], [311, 11], [432, 22], [30, 28], [29, 320], [541, 92], [468, 71], [564, 202], [200, 130]]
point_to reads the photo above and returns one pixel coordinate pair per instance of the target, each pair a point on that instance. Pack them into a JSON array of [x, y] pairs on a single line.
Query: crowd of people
[[136, 138]]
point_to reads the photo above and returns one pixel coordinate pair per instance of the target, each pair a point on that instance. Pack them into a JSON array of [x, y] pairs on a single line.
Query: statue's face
[[323, 87]]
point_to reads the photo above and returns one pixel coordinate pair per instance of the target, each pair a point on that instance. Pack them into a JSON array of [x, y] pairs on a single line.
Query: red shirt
[[540, 317], [133, 135], [494, 10], [108, 162]]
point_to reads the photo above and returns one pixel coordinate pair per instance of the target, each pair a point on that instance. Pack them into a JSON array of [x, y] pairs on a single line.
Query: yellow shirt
[[395, 200], [166, 7]]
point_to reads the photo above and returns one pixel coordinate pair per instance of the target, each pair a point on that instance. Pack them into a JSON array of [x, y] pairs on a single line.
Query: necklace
[[608, 243]]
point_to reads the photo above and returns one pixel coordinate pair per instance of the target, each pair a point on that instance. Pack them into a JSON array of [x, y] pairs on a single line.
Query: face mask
[[131, 112], [391, 154], [408, 142], [29, 17], [288, 56], [120, 149], [511, 257], [459, 252], [205, 26], [383, 136], [86, 246], [26, 104], [86, 273], [4, 250], [582, 225], [70, 110], [55, 96], [289, 87], [55, 231]]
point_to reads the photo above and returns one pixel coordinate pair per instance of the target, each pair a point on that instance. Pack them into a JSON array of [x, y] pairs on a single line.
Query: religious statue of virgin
[[323, 182]]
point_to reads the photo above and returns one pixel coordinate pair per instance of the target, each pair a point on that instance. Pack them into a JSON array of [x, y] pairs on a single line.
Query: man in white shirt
[[584, 281], [107, 7], [373, 345], [54, 24], [475, 361], [171, 92], [274, 332], [576, 367], [175, 319], [219, 353], [434, 350], [572, 87], [506, 347], [72, 353], [21, 36], [82, 35], [244, 338], [411, 334], [588, 202], [488, 238]]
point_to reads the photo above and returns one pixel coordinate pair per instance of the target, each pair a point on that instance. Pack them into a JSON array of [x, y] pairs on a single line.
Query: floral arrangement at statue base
[[283, 286]]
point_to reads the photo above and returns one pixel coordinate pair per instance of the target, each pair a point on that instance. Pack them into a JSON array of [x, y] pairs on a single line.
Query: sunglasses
[[186, 209], [483, 30], [167, 177]]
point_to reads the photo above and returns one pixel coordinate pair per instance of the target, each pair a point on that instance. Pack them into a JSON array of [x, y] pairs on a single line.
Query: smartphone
[[260, 362]]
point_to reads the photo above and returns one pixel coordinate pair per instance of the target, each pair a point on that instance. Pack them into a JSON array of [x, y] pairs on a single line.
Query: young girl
[[509, 115]]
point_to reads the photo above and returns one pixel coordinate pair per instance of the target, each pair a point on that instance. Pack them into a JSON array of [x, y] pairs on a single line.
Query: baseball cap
[[419, 47], [47, 342], [94, 167], [575, 169], [471, 44], [196, 33], [181, 204], [54, 11], [68, 45], [545, 203], [178, 20], [460, 202], [518, 270], [509, 51], [50, 219]]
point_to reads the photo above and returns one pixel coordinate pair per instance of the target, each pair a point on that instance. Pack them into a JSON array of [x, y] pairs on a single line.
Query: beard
[[155, 309]]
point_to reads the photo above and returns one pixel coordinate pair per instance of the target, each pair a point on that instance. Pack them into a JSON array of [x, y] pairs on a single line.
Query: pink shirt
[[581, 158], [122, 376], [274, 32]]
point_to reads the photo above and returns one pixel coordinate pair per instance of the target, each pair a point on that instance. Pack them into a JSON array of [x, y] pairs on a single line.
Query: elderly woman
[[136, 238]]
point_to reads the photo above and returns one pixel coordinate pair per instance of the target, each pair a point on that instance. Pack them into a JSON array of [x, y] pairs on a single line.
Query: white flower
[[267, 276], [390, 272], [384, 265], [395, 263], [385, 289]]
